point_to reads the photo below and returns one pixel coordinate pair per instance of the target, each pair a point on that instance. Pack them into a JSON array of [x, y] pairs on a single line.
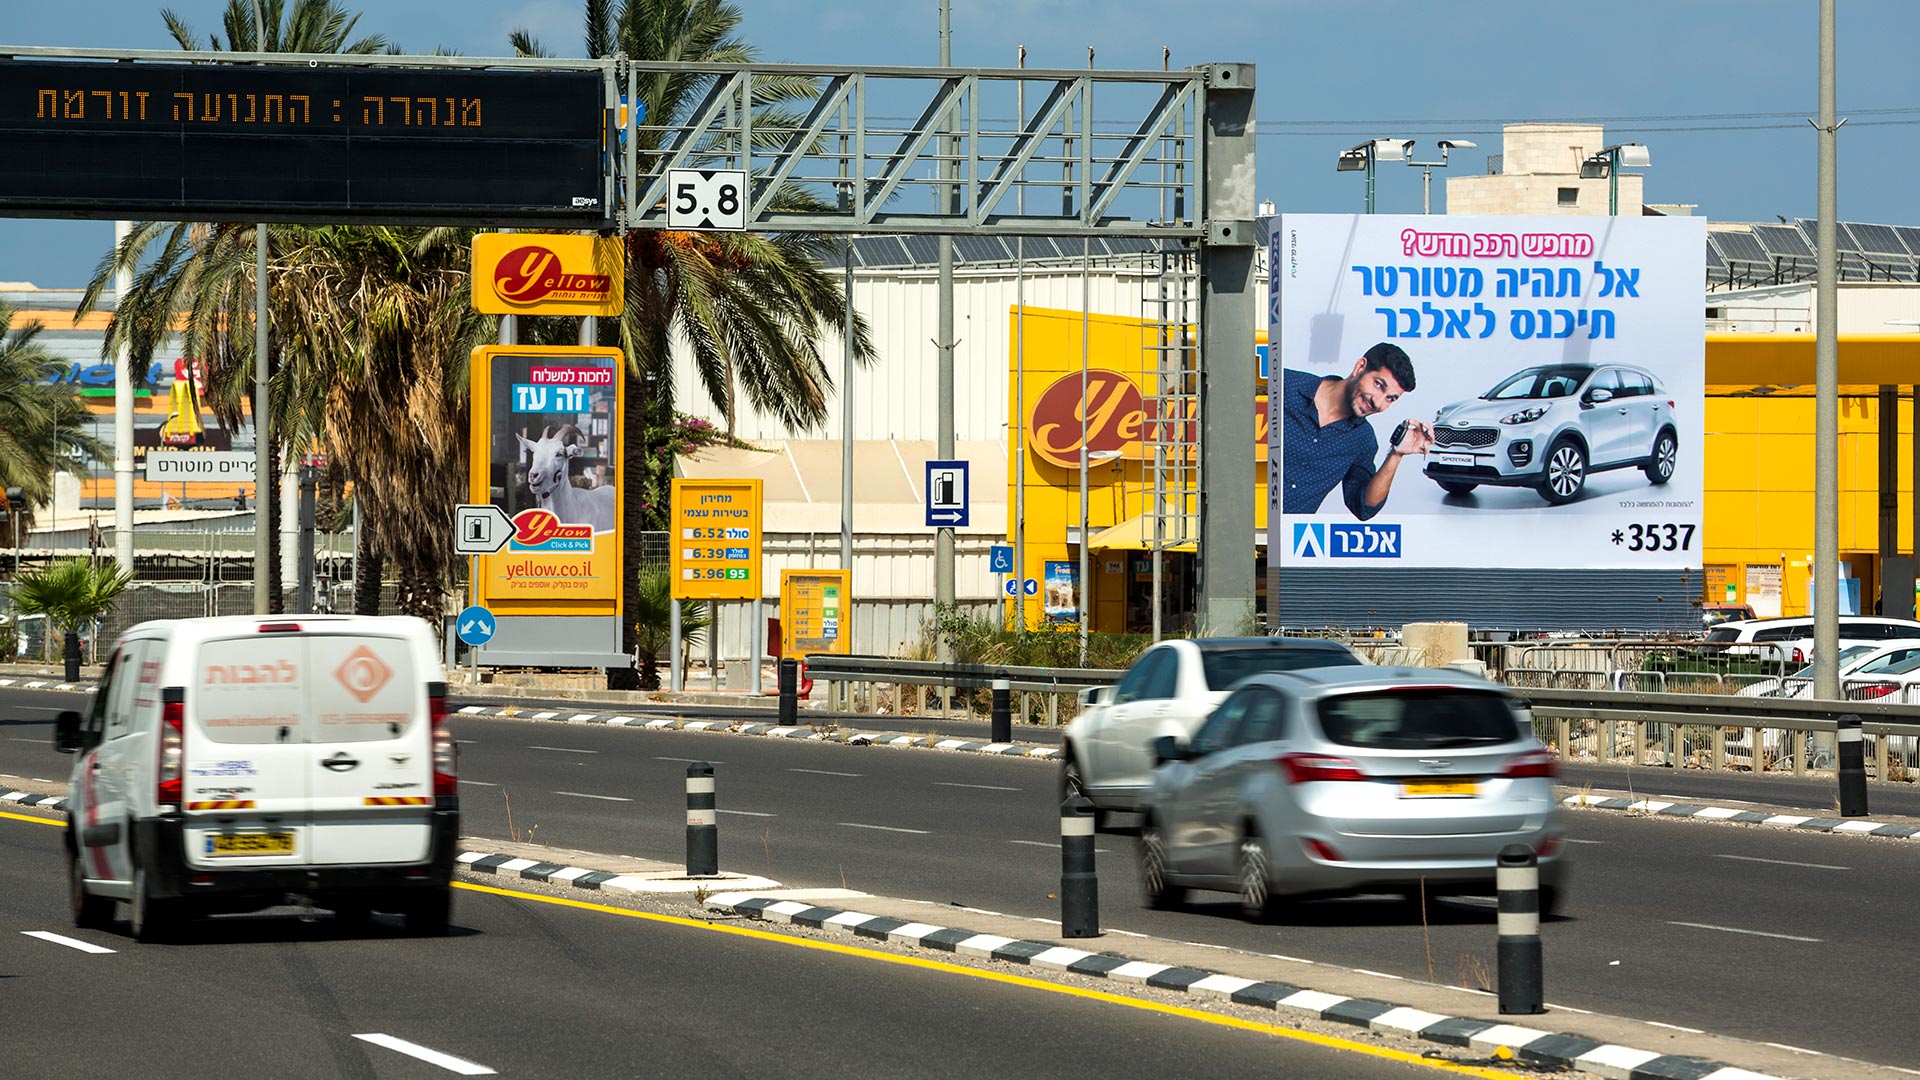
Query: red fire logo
[[533, 273]]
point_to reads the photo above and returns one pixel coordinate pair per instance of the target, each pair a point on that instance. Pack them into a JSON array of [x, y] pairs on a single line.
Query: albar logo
[[530, 274], [1317, 540]]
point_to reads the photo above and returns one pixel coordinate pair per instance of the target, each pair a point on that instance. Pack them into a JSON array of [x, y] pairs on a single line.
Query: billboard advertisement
[[546, 451], [547, 274], [1486, 391], [716, 537]]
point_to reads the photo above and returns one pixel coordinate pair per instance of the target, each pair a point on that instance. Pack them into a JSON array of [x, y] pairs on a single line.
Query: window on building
[[1569, 196]]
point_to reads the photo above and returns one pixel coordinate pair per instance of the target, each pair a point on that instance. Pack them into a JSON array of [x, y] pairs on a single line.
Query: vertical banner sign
[[715, 537], [1062, 603], [1487, 392], [815, 608], [547, 450]]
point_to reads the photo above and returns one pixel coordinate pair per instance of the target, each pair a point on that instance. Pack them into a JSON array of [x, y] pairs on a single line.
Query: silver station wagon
[[1340, 781]]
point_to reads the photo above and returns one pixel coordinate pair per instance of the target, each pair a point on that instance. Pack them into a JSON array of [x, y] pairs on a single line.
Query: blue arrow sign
[[475, 625], [1032, 587], [1001, 557], [947, 497]]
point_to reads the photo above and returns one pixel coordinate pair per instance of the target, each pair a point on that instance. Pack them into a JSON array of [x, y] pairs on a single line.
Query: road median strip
[[1771, 817]]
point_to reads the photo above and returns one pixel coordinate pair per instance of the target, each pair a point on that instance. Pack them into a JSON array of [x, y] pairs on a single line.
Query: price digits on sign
[[1655, 537], [716, 573]]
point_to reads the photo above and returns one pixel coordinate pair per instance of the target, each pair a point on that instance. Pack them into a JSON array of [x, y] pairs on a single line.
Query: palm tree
[[43, 425], [654, 629], [71, 593], [750, 307]]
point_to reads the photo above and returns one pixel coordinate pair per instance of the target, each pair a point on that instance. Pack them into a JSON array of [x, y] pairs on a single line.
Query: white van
[[230, 763]]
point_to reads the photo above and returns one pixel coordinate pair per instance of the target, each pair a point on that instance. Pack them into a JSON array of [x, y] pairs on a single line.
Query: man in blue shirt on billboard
[[1328, 440]]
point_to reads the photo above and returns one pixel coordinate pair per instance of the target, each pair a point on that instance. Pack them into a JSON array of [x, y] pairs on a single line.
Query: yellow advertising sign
[[715, 534], [546, 450], [815, 609], [547, 274]]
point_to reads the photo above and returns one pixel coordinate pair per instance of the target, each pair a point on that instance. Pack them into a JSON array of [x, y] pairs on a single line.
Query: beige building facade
[[1539, 173]]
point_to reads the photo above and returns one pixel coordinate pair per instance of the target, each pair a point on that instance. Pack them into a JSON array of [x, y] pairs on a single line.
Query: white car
[[229, 763], [1791, 639], [1878, 671], [1107, 752]]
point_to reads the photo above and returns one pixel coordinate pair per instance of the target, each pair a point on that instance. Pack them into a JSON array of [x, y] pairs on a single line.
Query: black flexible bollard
[[1002, 708], [789, 691], [1853, 767], [703, 822], [1079, 885], [70, 645], [1518, 956]]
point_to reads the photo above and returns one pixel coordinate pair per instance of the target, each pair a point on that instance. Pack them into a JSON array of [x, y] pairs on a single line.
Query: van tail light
[[173, 745], [279, 627], [1317, 768], [1540, 763], [446, 754], [1548, 847]]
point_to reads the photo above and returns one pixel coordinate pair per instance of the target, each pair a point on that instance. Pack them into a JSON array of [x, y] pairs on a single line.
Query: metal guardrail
[[880, 684]]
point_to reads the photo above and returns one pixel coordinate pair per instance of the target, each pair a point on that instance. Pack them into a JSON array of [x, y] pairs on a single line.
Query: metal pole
[[1426, 189], [1826, 378], [1020, 382], [264, 482], [1085, 584], [943, 536], [676, 670], [758, 634], [122, 418], [1613, 182], [846, 422], [1369, 178], [303, 573]]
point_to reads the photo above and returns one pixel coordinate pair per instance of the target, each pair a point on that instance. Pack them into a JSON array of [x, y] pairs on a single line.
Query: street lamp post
[[1367, 154], [1609, 162], [1427, 167]]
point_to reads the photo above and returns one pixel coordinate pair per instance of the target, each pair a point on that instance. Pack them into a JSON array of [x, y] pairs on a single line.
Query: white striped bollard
[[703, 824], [1518, 960], [1853, 767], [1079, 885]]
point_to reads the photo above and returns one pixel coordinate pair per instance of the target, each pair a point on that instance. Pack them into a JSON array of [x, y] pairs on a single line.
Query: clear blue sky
[[1718, 89]]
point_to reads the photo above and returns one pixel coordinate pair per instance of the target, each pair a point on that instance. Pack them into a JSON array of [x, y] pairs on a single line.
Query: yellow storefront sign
[[547, 274], [715, 539], [815, 606]]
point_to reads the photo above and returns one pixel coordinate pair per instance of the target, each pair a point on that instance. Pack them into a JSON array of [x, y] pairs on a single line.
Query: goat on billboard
[[1487, 391]]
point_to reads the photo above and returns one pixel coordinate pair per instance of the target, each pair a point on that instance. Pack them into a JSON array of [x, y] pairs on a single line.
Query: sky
[[1718, 90]]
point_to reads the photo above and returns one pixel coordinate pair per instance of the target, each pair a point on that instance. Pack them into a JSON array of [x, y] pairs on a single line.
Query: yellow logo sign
[[547, 274]]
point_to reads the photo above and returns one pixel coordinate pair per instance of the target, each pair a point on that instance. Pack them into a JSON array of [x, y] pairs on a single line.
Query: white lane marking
[[1737, 930], [1571, 840], [1783, 862], [883, 828], [71, 943], [746, 813], [936, 783], [691, 760], [825, 772], [563, 749], [468, 742], [1052, 846], [432, 1057], [479, 783], [12, 739], [584, 795]]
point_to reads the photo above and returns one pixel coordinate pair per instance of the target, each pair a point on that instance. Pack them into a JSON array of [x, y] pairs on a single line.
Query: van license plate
[[1420, 789], [1464, 461], [273, 843]]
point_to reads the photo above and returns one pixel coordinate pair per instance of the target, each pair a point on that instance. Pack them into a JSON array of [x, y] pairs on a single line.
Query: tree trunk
[[633, 521], [366, 584]]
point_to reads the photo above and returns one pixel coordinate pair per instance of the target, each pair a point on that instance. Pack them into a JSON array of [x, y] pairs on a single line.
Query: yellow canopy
[[1136, 534]]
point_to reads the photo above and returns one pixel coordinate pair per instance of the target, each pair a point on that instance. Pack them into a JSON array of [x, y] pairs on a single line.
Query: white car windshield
[[1554, 381]]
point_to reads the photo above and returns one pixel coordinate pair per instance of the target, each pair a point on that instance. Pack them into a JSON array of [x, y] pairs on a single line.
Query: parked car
[[1712, 615], [1866, 672], [1338, 781], [1107, 752], [1792, 639], [228, 762], [1550, 426]]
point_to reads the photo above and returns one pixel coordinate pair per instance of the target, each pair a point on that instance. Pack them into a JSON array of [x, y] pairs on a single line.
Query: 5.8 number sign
[[707, 199]]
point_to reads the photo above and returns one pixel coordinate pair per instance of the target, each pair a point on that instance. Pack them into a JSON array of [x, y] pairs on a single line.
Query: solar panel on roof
[[1879, 239], [921, 250], [1738, 245], [1783, 240], [980, 249], [1714, 261], [883, 251], [1041, 247], [1910, 236]]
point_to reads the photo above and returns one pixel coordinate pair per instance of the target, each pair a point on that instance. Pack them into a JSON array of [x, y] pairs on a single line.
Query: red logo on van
[[363, 673]]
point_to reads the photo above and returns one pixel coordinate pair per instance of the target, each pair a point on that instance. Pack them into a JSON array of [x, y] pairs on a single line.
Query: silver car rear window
[[1225, 667], [1417, 719]]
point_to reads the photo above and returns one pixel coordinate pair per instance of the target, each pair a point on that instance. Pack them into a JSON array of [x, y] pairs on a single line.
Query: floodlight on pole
[[1426, 168], [1609, 162], [1362, 158]]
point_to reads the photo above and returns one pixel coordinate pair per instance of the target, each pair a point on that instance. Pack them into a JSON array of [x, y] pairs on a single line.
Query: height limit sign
[[706, 199]]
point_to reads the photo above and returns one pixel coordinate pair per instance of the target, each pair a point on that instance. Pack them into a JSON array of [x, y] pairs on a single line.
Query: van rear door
[[371, 750], [245, 789]]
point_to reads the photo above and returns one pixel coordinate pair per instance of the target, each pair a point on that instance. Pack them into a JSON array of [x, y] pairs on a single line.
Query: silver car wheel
[[1255, 891], [1666, 454], [1566, 472]]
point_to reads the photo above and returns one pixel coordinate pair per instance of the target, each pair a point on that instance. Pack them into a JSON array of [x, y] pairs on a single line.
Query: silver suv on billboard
[[1550, 427]]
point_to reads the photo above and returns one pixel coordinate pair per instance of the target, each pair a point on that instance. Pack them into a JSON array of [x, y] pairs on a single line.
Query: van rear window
[[1418, 719]]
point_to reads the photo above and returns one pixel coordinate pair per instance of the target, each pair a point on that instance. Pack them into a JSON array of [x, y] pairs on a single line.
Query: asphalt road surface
[[1756, 933], [532, 988]]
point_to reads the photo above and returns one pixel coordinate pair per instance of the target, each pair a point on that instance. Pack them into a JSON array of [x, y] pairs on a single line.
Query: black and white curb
[[1531, 1045], [27, 798], [1704, 812], [580, 877], [736, 727], [44, 684]]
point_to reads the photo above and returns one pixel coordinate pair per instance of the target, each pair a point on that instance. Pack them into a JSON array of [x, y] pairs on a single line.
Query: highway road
[[1755, 933], [532, 987]]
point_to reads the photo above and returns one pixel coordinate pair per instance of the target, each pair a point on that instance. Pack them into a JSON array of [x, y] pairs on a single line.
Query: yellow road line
[[1326, 1041], [35, 820]]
